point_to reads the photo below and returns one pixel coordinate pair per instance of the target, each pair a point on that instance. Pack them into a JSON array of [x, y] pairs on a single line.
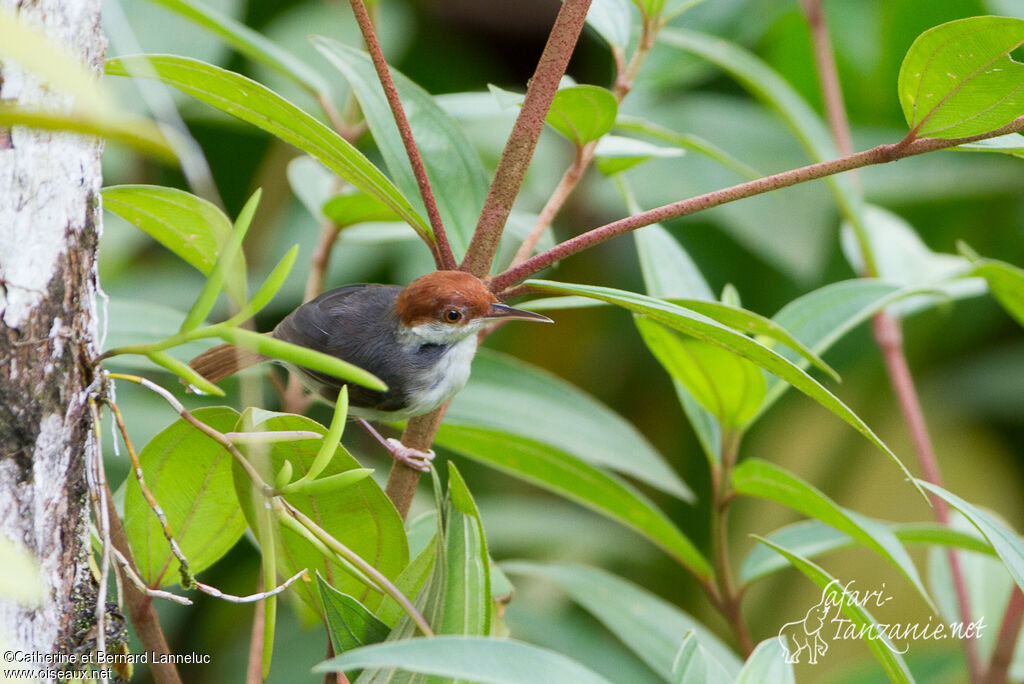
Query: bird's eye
[[452, 315]]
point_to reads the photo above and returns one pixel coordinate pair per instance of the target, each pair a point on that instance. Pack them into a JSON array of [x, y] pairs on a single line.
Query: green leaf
[[767, 664], [360, 516], [754, 477], [812, 538], [467, 593], [1005, 541], [583, 113], [477, 659], [632, 124], [349, 624], [697, 326], [253, 103], [769, 87], [509, 395], [225, 263], [347, 210], [185, 372], [332, 483], [647, 624], [611, 19], [862, 620], [1006, 283], [670, 272], [456, 175], [268, 289], [410, 582], [567, 476], [191, 227], [135, 132], [1011, 143], [301, 356], [958, 78], [614, 153], [189, 475], [752, 324], [249, 43], [693, 665], [821, 317], [727, 386]]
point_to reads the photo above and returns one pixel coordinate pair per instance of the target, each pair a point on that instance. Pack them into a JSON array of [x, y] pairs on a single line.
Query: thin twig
[[251, 598], [402, 480], [355, 559], [886, 328], [96, 477], [139, 601], [522, 141], [625, 75], [729, 597], [133, 577], [215, 435], [876, 155], [443, 251], [187, 580]]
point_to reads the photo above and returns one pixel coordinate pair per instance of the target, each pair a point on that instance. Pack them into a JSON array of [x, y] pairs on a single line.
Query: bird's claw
[[416, 459]]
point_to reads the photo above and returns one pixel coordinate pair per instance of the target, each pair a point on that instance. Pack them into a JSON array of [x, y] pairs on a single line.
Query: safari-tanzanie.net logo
[[807, 639]]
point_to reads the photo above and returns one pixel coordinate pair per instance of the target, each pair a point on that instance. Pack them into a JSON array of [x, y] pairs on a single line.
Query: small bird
[[420, 340]]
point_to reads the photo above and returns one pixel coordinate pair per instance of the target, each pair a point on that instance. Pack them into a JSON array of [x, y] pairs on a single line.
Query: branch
[[140, 606], [402, 480], [522, 141], [1002, 655], [876, 155], [442, 250]]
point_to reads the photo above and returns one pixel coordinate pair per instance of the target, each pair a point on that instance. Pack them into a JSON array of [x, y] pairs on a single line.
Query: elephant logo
[[805, 635]]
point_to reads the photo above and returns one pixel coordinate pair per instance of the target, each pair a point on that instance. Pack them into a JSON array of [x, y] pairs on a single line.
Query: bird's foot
[[416, 459]]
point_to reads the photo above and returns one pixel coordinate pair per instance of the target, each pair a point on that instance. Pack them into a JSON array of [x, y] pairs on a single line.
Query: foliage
[[425, 600]]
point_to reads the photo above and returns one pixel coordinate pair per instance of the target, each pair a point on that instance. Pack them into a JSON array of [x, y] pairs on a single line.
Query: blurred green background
[[968, 356]]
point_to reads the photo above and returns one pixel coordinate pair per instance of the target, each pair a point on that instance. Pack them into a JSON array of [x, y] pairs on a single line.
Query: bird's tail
[[223, 360]]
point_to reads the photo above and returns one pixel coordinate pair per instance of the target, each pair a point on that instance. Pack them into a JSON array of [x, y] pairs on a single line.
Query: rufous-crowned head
[[445, 306]]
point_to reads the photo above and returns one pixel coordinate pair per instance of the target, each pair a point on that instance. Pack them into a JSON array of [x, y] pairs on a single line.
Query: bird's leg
[[414, 458]]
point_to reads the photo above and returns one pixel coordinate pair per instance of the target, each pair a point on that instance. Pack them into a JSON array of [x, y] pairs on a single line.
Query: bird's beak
[[507, 313]]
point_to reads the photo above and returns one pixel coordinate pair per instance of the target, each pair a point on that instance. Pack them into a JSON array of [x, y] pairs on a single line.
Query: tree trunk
[[49, 227]]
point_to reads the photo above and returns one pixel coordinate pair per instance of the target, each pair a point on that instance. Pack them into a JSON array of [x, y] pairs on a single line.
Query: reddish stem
[[1002, 655], [443, 251], [876, 155], [522, 142]]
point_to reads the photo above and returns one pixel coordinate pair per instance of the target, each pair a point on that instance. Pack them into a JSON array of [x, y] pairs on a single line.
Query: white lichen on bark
[[49, 223]]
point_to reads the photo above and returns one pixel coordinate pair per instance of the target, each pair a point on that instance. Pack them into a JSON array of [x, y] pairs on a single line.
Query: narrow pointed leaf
[[467, 596], [813, 538], [649, 625], [348, 210], [248, 42], [456, 175], [349, 624], [191, 227], [754, 477], [727, 386], [301, 356], [1005, 541], [884, 650], [509, 395], [567, 476], [225, 262], [476, 659], [767, 664], [185, 372], [268, 289], [694, 665], [705, 329], [255, 104]]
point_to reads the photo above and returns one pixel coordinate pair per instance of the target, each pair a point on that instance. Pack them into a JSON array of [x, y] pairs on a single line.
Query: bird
[[419, 339]]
